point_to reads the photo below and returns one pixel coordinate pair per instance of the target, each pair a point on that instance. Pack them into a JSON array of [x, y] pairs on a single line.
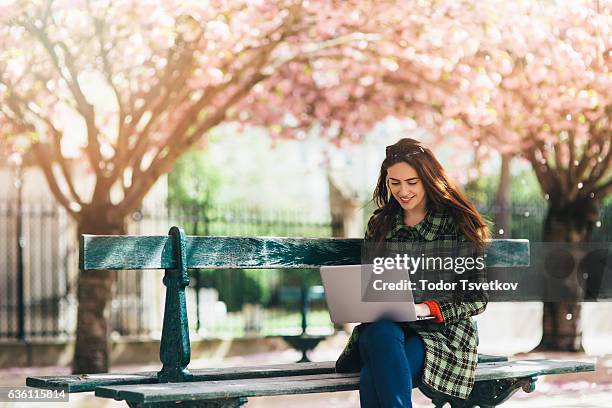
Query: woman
[[418, 203]]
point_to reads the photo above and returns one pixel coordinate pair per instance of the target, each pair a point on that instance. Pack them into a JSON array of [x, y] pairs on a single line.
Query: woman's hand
[[422, 309]]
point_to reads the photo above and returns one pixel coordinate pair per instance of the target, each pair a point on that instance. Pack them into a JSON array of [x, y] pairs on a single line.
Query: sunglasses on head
[[392, 152]]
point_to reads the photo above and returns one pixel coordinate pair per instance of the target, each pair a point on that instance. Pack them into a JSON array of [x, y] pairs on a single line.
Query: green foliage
[[237, 286], [524, 189], [299, 277], [193, 182]]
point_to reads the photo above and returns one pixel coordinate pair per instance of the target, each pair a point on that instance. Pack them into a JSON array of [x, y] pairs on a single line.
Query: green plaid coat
[[450, 347]]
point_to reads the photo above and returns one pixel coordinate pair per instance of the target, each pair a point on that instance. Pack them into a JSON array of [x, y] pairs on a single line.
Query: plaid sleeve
[[466, 303], [349, 360]]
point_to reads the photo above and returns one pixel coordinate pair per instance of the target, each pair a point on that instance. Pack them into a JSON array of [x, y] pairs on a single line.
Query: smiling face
[[406, 187]]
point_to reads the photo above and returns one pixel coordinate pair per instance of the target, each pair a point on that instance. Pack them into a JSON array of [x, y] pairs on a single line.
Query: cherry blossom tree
[[146, 81], [540, 89], [408, 69]]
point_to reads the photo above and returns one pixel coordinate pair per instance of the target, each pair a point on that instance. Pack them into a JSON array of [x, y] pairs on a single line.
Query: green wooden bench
[[175, 384]]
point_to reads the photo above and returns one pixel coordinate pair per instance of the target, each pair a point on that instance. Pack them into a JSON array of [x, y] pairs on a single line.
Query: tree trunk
[[502, 199], [472, 188], [565, 222], [95, 292]]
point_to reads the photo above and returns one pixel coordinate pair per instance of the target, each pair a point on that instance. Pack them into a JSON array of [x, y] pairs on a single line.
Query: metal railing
[[38, 294]]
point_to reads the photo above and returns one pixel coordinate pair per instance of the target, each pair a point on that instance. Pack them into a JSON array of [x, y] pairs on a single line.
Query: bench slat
[[231, 388], [88, 382], [527, 368], [148, 393], [156, 252]]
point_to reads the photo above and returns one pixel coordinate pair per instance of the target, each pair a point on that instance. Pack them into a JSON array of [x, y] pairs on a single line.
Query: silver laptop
[[345, 297]]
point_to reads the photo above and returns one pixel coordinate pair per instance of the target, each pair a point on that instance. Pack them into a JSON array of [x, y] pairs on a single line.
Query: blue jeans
[[393, 365]]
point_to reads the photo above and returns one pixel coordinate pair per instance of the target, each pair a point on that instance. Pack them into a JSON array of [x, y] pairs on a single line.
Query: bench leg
[[486, 394], [224, 403]]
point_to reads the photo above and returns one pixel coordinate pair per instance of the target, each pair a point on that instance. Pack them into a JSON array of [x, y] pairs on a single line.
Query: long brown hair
[[441, 193]]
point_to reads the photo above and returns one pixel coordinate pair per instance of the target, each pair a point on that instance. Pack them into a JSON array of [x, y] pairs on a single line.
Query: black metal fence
[[36, 285], [526, 221], [38, 295]]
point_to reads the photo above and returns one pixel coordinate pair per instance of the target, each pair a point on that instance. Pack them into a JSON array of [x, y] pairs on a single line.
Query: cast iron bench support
[[175, 349], [303, 342]]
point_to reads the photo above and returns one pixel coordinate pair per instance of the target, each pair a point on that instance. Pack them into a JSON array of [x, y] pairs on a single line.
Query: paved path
[[581, 390]]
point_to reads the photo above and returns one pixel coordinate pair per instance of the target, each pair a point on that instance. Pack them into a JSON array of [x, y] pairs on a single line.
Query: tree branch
[[169, 98], [83, 107], [18, 106], [602, 191], [571, 171], [559, 170], [312, 49], [602, 166], [99, 25], [585, 160], [152, 95], [62, 161], [191, 115], [220, 114], [46, 166], [162, 164], [542, 170]]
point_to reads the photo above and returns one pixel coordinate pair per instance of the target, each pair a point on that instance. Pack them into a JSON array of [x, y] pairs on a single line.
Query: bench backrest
[[176, 253], [158, 252]]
